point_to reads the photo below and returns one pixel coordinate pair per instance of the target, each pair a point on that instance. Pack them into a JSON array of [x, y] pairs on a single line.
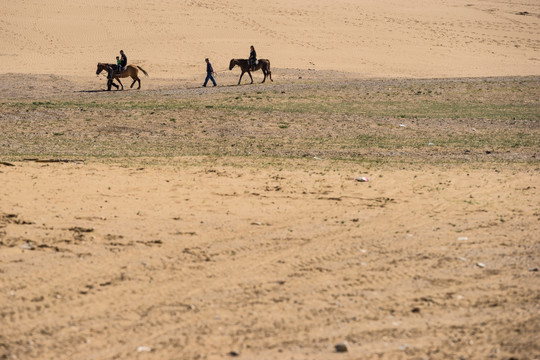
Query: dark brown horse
[[263, 64], [130, 70]]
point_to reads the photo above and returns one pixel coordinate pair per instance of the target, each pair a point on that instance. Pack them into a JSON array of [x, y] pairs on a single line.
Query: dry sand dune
[[417, 38]]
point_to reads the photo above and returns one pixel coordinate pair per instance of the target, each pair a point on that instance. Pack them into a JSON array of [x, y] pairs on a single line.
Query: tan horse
[[130, 70], [263, 64]]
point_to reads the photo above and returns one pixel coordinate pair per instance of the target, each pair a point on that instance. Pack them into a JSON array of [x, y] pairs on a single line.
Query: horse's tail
[[144, 72], [266, 63], [268, 70]]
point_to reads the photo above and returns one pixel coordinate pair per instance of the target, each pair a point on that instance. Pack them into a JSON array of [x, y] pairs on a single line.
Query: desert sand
[[177, 222], [204, 259], [370, 38]]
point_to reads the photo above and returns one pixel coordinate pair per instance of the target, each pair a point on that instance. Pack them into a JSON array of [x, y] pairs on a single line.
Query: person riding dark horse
[[252, 57]]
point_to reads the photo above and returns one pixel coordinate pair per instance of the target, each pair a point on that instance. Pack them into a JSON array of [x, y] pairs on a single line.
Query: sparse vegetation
[[425, 120]]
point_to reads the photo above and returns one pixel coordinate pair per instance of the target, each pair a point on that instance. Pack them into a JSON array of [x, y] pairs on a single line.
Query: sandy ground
[[270, 251], [269, 260], [276, 256], [170, 39]]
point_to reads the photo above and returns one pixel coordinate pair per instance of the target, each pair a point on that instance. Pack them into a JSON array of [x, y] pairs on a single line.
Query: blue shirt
[[209, 68]]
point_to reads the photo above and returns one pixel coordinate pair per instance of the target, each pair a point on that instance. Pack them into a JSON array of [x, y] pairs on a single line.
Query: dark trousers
[[209, 77], [110, 79]]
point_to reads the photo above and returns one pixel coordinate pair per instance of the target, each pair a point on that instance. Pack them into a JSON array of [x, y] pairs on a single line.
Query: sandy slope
[[417, 38]]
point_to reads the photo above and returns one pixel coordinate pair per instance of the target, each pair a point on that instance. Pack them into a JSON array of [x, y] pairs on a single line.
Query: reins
[[220, 71]]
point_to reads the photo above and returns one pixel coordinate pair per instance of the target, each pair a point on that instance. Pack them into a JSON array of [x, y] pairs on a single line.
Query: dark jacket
[[110, 73], [123, 60], [253, 55], [209, 68]]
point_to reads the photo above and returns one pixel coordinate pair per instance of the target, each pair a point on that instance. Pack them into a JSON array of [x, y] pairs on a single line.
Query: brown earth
[[178, 222], [239, 229]]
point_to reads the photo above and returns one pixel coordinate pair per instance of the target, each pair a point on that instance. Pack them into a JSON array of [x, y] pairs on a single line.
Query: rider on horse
[[252, 58], [123, 60]]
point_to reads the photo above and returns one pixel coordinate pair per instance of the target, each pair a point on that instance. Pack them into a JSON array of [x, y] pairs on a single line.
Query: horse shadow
[[90, 91]]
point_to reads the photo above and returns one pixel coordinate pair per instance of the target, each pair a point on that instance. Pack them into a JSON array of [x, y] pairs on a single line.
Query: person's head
[[251, 47], [122, 52], [118, 57], [207, 60]]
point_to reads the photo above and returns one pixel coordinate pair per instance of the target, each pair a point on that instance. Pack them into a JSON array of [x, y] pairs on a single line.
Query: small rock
[[362, 179], [533, 269], [431, 144], [415, 310], [144, 349], [463, 238], [342, 347], [27, 246], [481, 265], [234, 353]]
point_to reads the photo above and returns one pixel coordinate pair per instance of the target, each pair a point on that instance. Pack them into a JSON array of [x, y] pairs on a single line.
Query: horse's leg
[[249, 73], [133, 83], [242, 74], [264, 73], [118, 79]]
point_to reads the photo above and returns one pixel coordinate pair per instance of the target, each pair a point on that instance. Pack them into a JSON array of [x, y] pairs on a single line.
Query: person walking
[[110, 79], [209, 73]]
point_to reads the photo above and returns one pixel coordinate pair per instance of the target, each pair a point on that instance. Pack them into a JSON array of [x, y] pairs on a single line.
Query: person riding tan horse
[[123, 60], [263, 64], [130, 71]]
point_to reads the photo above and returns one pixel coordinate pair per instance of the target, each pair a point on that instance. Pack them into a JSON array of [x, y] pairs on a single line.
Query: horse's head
[[233, 64], [100, 68]]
